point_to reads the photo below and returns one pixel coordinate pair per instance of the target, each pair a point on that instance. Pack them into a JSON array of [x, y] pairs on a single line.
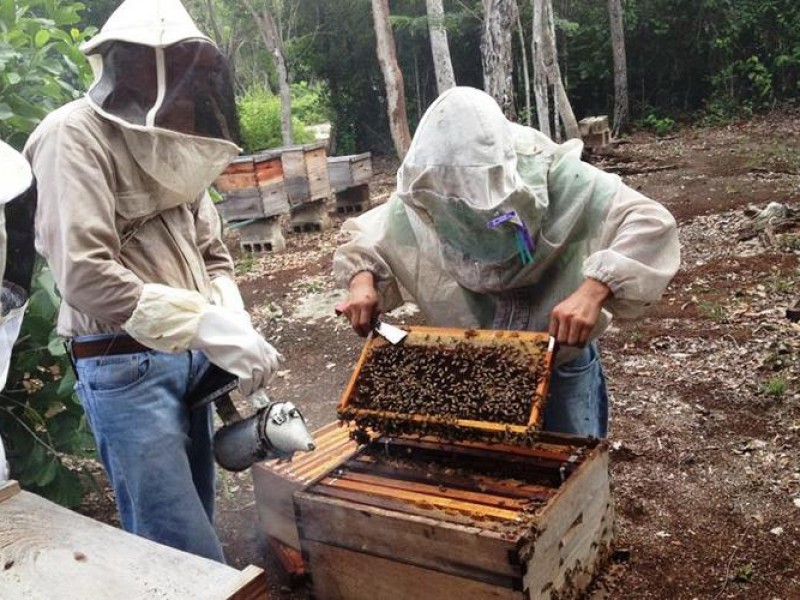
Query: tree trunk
[[525, 71], [393, 78], [270, 34], [442, 65], [496, 53], [554, 71], [540, 92], [616, 18]]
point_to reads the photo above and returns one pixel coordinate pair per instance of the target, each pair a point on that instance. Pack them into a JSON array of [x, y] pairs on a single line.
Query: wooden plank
[[268, 170], [243, 164], [8, 489], [51, 552], [235, 181], [252, 585], [449, 548], [340, 574], [499, 488], [423, 499], [436, 490], [241, 207], [317, 172]]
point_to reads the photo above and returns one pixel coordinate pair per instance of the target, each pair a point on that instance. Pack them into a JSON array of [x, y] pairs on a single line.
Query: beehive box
[[418, 518], [459, 384], [271, 185], [275, 481], [305, 171], [349, 171]]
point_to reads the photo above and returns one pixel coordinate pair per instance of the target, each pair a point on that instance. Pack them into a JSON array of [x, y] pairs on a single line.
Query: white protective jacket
[[124, 220], [432, 242]]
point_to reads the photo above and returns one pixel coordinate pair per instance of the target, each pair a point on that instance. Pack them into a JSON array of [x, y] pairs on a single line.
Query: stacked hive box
[[595, 131], [260, 188], [349, 177], [305, 176], [446, 505], [252, 202]]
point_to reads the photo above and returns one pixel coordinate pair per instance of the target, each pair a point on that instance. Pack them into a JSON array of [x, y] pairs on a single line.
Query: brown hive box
[[409, 518], [418, 514], [422, 513]]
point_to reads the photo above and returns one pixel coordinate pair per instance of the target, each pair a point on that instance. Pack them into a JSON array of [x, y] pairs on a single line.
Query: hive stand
[[50, 552], [310, 216], [263, 235]]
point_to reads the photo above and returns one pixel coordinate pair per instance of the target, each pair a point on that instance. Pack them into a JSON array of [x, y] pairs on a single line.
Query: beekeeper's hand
[[572, 320], [229, 341], [174, 320], [361, 307]]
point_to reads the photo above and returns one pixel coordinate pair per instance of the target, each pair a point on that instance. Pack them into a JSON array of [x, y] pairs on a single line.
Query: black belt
[[120, 344]]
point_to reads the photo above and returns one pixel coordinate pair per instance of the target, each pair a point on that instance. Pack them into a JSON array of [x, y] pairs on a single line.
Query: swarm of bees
[[448, 384]]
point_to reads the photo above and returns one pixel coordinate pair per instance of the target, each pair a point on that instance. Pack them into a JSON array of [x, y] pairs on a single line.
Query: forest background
[[305, 62]]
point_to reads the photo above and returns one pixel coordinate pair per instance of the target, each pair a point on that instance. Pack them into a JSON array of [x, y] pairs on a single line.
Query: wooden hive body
[[371, 528], [349, 171]]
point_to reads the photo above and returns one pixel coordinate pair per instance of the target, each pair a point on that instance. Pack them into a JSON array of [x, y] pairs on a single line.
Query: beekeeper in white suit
[[17, 205], [493, 225], [134, 242]]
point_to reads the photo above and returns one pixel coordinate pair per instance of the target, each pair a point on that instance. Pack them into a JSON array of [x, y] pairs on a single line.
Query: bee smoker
[[276, 430]]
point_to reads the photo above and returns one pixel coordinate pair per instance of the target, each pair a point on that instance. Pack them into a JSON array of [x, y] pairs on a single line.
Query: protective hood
[[170, 89], [483, 186], [16, 182], [15, 174]]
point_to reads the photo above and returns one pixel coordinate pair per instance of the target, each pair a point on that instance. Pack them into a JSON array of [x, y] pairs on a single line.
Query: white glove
[[229, 341], [225, 293], [174, 320]]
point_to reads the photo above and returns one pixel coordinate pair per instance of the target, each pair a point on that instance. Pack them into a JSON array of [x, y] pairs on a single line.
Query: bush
[[260, 118], [659, 125], [41, 67], [42, 420]]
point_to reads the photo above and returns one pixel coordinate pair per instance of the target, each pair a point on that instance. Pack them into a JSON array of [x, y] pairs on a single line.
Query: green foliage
[[661, 126], [42, 420], [41, 67], [776, 387], [310, 102], [260, 118]]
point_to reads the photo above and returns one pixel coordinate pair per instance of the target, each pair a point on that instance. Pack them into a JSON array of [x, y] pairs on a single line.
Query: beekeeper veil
[[500, 201], [460, 179], [170, 88], [17, 254]]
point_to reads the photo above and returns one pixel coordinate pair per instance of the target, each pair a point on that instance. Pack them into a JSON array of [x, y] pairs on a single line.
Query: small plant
[[246, 264], [661, 126], [715, 312], [744, 574], [312, 286], [776, 387]]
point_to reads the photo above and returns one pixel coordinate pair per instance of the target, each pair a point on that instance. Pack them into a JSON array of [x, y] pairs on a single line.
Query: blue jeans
[[577, 402], [158, 454]]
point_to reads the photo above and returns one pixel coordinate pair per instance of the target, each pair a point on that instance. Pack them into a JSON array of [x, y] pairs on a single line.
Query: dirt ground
[[706, 389]]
